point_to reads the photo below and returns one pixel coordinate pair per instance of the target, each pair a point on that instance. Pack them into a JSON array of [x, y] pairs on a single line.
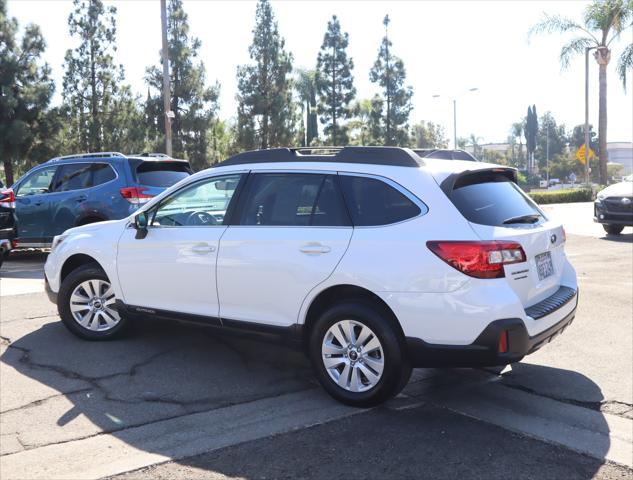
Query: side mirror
[[140, 223]]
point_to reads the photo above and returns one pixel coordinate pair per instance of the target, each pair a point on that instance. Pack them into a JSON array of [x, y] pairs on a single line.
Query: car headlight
[[57, 240], [601, 196]]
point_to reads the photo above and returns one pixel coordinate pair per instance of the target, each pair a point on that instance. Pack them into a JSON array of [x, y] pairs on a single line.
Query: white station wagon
[[372, 259]]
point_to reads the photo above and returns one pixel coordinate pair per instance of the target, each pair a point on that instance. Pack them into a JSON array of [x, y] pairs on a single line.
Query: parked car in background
[[372, 259], [75, 190], [444, 154], [613, 207]]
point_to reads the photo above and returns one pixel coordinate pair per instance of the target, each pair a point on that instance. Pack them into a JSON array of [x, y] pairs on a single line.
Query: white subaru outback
[[372, 259]]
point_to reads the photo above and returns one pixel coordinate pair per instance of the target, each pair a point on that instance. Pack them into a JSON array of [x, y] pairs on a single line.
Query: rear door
[[291, 230], [497, 209]]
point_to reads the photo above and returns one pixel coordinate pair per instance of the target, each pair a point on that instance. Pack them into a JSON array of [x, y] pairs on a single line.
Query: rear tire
[[613, 229], [357, 355], [85, 304]]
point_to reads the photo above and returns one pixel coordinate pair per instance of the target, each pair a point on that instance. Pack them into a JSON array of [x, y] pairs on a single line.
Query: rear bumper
[[483, 351]]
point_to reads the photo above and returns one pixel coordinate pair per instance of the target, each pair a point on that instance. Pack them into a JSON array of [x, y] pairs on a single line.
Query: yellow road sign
[[580, 154]]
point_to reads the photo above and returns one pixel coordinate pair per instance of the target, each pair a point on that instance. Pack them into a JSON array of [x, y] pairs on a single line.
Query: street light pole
[[455, 114], [166, 85]]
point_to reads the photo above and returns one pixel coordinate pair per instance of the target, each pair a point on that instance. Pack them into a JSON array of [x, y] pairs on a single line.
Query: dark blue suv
[[69, 191]]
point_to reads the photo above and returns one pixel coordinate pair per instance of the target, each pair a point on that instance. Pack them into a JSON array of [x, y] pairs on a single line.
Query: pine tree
[[389, 72], [91, 79], [194, 104], [25, 92], [336, 83], [266, 116]]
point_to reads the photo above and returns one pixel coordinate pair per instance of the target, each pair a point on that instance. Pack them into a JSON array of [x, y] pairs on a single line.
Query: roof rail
[[89, 155], [393, 156], [445, 154]]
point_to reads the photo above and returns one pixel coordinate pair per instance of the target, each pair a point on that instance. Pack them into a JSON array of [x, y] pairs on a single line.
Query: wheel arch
[[74, 262], [346, 292], [88, 218]]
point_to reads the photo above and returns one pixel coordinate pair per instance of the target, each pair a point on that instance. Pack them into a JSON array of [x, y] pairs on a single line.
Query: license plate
[[544, 265]]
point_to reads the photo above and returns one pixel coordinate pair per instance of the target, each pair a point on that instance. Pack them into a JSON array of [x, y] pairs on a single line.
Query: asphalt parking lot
[[173, 401]]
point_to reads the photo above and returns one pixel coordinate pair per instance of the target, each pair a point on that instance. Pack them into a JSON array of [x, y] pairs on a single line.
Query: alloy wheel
[[91, 305], [353, 355]]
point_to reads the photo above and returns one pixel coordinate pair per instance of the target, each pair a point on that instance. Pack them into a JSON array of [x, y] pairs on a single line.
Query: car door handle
[[314, 249], [38, 203], [82, 198], [203, 248]]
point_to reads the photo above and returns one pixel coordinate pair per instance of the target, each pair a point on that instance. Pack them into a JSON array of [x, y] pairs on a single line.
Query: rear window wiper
[[529, 218]]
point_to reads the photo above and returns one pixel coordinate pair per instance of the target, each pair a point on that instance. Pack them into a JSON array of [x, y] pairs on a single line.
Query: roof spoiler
[[480, 175]]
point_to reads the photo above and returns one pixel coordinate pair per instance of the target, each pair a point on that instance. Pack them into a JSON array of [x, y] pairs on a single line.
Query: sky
[[448, 47]]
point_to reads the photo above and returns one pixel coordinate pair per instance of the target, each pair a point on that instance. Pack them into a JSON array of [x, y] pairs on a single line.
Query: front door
[[32, 205], [173, 267], [291, 230]]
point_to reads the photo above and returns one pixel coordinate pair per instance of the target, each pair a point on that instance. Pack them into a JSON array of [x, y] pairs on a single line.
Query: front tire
[[357, 355], [613, 229], [86, 304]]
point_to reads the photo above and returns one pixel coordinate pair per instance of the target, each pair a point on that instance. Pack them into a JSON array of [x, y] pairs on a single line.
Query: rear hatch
[[498, 210], [152, 176]]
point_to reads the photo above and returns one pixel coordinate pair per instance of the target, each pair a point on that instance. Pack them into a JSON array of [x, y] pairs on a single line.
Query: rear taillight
[[478, 259], [7, 199], [135, 195]]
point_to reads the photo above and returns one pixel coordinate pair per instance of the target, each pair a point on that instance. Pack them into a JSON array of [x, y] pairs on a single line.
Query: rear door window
[[161, 173], [293, 199], [494, 200], [372, 202], [73, 176]]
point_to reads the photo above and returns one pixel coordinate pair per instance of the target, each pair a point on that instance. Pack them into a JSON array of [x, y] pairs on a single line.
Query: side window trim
[[229, 211], [424, 209]]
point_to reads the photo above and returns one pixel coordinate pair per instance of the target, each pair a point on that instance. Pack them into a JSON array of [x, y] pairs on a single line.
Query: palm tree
[[305, 84], [517, 132], [603, 22]]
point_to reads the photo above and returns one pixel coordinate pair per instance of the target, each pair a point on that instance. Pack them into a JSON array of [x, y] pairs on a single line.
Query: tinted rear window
[[161, 174], [373, 202], [491, 200]]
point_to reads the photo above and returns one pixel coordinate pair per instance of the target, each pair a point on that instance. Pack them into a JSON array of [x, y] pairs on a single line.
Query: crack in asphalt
[[604, 406], [40, 401]]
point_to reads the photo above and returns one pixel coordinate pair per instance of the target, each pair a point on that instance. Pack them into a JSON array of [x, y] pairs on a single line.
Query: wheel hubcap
[[352, 355], [91, 305]]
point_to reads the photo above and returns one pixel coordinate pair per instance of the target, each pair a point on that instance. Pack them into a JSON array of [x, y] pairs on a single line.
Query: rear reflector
[[478, 259], [503, 342], [135, 195]]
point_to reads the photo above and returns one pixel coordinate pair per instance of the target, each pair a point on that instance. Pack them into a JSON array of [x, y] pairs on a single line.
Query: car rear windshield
[[494, 199], [161, 173]]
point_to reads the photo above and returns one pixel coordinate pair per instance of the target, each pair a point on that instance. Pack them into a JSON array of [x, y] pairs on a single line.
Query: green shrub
[[562, 196]]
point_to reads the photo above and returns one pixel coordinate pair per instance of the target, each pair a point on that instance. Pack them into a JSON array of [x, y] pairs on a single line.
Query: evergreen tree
[[531, 131], [428, 135], [389, 72], [25, 92], [266, 116], [193, 102], [336, 83], [91, 79]]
